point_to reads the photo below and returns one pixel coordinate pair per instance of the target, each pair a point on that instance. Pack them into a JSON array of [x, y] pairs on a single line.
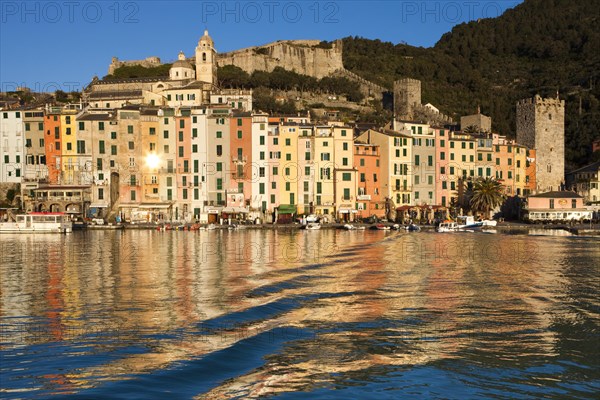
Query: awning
[[98, 205], [155, 206], [286, 209], [346, 211], [235, 210], [214, 210]]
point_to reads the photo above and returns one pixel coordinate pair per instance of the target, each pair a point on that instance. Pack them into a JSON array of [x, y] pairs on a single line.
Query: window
[[346, 194], [307, 156], [262, 140], [219, 184], [430, 161], [346, 176], [131, 145], [219, 134], [417, 160], [344, 133], [113, 135], [345, 146], [81, 147], [287, 186], [239, 122], [362, 162], [442, 155], [129, 128], [100, 126], [132, 195], [219, 150], [362, 177], [551, 203], [261, 188], [165, 134], [288, 142], [344, 161], [275, 171]]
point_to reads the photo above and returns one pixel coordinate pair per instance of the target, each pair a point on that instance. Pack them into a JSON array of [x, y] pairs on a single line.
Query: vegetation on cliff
[[540, 46], [138, 71], [231, 76]]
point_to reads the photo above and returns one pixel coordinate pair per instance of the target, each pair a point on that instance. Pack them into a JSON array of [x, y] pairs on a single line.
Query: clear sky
[[49, 45]]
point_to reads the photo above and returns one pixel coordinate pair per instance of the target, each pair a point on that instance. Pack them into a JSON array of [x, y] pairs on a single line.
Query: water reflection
[[257, 312]]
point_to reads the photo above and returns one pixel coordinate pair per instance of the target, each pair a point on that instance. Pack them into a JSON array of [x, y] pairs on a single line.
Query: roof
[[94, 117], [558, 195], [588, 168], [115, 94], [182, 64]]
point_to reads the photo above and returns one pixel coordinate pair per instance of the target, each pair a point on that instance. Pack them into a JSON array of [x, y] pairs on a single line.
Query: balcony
[[239, 161]]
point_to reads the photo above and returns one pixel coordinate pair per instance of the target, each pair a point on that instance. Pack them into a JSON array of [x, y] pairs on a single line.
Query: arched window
[[203, 56]]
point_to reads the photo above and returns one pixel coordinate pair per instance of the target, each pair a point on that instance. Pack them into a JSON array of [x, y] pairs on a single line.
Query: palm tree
[[488, 194]]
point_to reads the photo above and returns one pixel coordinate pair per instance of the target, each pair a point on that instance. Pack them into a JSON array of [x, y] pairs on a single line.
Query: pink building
[[556, 206], [442, 149]]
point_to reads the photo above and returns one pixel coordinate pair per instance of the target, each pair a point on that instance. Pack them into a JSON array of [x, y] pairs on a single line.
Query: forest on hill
[[538, 47]]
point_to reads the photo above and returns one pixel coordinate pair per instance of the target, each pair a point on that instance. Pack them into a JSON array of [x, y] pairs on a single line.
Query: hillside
[[540, 46]]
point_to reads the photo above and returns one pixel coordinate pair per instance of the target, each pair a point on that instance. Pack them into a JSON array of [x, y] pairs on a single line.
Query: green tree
[[488, 194]]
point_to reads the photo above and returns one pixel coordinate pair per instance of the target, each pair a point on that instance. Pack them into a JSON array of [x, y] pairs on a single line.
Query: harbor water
[[299, 314]]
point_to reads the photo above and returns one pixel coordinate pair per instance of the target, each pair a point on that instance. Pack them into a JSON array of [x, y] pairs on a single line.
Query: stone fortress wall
[[302, 56]]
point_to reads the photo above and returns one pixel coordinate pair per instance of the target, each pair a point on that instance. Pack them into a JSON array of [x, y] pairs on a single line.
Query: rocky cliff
[[306, 57]]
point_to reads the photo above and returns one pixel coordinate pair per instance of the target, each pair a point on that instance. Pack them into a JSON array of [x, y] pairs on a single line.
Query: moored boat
[[311, 226], [38, 222]]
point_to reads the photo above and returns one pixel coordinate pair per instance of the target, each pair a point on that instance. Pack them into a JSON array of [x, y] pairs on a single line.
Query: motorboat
[[380, 227], [311, 226], [38, 222], [448, 226], [413, 228]]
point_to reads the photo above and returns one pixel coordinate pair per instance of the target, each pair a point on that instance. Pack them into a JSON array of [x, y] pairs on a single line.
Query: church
[[191, 82]]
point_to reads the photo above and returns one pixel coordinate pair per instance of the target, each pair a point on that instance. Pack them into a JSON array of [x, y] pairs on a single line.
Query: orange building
[[52, 144], [240, 167], [366, 162]]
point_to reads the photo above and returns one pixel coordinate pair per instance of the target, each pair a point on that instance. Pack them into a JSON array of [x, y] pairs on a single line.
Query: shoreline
[[505, 227]]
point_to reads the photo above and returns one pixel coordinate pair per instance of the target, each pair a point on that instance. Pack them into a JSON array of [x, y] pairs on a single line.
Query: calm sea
[[299, 314]]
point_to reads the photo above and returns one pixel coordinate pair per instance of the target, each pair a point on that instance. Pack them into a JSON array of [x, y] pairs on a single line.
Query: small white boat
[[413, 228], [448, 226], [349, 227], [211, 227], [38, 222], [380, 227], [311, 226]]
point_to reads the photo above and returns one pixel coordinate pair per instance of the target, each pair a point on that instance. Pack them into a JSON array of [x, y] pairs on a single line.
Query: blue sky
[[47, 45]]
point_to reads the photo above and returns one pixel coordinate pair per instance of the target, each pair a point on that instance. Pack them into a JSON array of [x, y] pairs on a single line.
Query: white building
[[260, 164], [11, 146]]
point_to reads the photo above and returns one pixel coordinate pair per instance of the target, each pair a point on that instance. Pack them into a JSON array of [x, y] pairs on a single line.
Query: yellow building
[[345, 173], [324, 188], [461, 165], [290, 174], [68, 137]]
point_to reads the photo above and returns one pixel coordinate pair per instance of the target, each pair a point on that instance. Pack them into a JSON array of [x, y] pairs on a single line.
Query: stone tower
[[407, 97], [541, 126], [206, 60]]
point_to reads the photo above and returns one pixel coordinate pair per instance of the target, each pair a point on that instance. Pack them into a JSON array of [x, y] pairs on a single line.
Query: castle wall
[[541, 125], [300, 56]]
